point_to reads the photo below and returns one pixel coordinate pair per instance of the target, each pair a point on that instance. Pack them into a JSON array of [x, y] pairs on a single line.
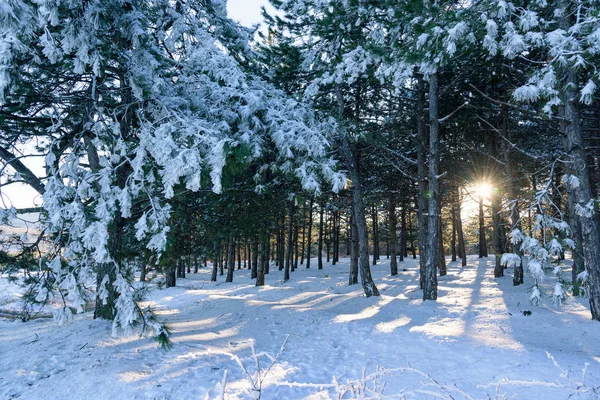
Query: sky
[[247, 12]]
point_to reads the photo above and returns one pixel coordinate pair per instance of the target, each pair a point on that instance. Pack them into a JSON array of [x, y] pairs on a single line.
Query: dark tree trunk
[[430, 281], [577, 253], [309, 244], [392, 236], [498, 231], [171, 275], [361, 221], [583, 196], [239, 253], [327, 236], [422, 179], [221, 257], [482, 240], [254, 259], [333, 237], [230, 259], [353, 278], [461, 251], [515, 221], [295, 248], [262, 256], [288, 258], [403, 245], [320, 243], [303, 234], [374, 222], [453, 237], [441, 261], [267, 249], [213, 277]]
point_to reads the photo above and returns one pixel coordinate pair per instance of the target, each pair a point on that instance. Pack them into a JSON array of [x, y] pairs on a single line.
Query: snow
[[472, 342]]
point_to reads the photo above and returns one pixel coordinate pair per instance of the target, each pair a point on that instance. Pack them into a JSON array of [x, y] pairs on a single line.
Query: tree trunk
[[361, 221], [403, 246], [430, 281], [171, 275], [482, 240], [295, 248], [320, 243], [260, 255], [583, 197], [254, 259], [515, 221], [213, 277], [353, 278], [309, 244], [453, 237], [422, 179], [461, 251], [288, 258], [374, 221], [441, 260], [230, 259], [303, 234], [497, 238], [392, 236]]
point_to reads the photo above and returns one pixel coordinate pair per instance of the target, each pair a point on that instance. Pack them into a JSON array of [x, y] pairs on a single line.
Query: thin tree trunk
[[213, 277], [259, 269], [309, 244], [392, 235], [403, 245], [453, 237], [374, 222], [295, 248], [422, 179], [515, 221], [288, 258], [482, 240], [462, 250], [497, 238], [441, 260], [430, 281], [320, 243], [303, 234], [353, 278], [230, 259]]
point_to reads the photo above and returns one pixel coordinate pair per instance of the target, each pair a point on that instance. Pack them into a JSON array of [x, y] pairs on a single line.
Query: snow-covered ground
[[473, 342]]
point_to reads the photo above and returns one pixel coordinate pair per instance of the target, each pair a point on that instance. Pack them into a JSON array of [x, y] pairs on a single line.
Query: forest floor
[[474, 342]]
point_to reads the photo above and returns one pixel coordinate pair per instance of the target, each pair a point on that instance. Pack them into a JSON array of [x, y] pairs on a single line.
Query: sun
[[484, 190]]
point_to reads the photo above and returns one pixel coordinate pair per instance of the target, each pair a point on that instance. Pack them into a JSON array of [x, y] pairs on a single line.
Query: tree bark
[[482, 239], [392, 236], [320, 243], [288, 258], [361, 221], [309, 244], [230, 259], [430, 281], [213, 276], [582, 195], [354, 250], [497, 233], [422, 179]]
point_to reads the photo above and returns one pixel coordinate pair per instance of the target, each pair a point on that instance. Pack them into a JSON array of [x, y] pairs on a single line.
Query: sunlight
[[484, 190]]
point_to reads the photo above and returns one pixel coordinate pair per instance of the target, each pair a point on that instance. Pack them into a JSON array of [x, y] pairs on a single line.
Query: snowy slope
[[473, 343]]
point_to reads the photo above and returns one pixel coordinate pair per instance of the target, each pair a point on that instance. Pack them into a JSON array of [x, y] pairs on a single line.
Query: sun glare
[[484, 190]]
